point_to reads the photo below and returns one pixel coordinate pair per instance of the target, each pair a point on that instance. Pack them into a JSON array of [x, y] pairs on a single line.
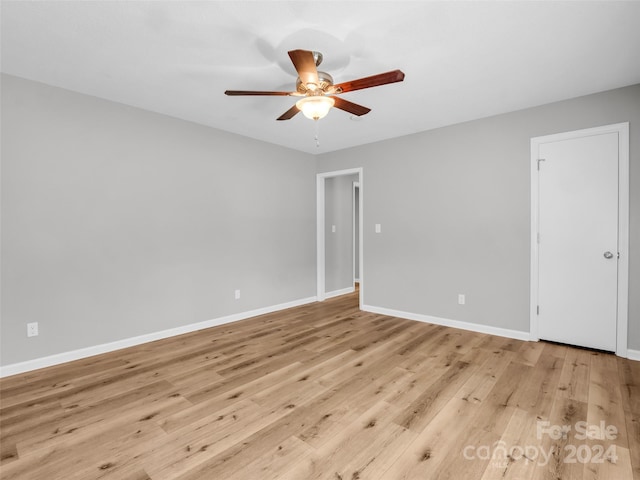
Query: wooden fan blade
[[255, 92], [305, 65], [350, 107], [289, 113], [367, 82]]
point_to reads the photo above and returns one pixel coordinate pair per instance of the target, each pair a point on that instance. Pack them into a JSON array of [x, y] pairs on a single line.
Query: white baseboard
[[29, 365], [337, 293], [21, 367], [474, 327], [633, 355]]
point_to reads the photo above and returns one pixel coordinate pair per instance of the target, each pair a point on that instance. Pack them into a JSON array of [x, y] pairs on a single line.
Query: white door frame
[[355, 228], [320, 219], [622, 323]]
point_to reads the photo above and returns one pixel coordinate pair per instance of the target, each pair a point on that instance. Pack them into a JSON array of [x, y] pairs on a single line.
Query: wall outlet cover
[[32, 329]]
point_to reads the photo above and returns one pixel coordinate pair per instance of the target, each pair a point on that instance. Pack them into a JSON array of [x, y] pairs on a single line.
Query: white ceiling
[[462, 60]]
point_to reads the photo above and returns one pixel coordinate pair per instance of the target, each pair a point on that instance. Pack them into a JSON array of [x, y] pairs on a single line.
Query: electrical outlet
[[32, 329], [461, 299], [237, 294]]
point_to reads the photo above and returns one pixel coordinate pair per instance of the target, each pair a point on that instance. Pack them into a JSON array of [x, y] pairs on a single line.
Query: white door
[[578, 241]]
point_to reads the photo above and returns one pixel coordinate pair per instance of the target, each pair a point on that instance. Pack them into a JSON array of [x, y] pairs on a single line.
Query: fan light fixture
[[315, 107]]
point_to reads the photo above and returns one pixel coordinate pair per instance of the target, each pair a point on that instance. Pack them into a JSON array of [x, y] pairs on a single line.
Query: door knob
[[608, 255]]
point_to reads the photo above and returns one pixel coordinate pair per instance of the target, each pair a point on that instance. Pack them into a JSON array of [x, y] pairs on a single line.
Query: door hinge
[[537, 309], [538, 237], [541, 160]]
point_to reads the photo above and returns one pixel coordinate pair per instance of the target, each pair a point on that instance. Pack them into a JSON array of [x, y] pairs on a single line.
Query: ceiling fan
[[318, 91]]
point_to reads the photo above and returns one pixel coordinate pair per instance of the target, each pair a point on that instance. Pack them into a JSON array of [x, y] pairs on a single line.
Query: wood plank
[[517, 454], [275, 463], [633, 436], [605, 398], [529, 353], [424, 408], [557, 440], [352, 441], [189, 447], [629, 375], [481, 383], [538, 392], [434, 444], [574, 380]]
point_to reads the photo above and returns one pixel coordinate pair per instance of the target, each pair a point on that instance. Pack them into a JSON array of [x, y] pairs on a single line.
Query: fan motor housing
[[324, 81]]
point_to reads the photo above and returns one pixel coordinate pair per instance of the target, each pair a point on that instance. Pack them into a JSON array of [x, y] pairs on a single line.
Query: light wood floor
[[325, 391]]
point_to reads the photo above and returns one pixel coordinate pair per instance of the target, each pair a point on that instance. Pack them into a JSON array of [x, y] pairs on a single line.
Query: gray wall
[[454, 205], [339, 245], [118, 222]]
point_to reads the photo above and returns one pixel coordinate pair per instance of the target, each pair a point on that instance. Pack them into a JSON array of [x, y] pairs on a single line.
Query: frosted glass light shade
[[315, 107]]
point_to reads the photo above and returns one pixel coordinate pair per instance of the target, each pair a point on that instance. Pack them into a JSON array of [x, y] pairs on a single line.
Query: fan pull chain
[[317, 133]]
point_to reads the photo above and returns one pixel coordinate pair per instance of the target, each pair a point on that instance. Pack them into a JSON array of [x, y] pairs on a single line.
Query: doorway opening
[[322, 179]]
